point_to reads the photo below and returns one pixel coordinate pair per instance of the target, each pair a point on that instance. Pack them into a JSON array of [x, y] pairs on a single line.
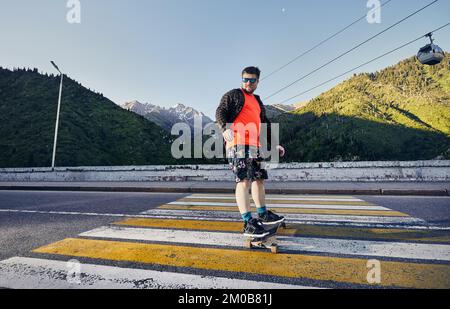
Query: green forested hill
[[93, 130], [399, 113]]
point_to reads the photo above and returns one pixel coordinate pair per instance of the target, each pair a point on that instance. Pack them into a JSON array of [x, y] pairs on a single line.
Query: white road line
[[299, 205], [212, 215], [65, 213], [281, 198], [31, 273], [59, 192], [319, 245]]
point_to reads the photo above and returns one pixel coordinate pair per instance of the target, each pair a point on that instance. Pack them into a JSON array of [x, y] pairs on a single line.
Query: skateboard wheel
[[274, 249]]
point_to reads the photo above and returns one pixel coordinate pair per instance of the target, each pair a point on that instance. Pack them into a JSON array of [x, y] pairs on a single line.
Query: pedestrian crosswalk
[[197, 242], [297, 209]]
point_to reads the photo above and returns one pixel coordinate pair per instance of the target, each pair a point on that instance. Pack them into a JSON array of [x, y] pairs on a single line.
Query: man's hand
[[228, 135], [281, 150]]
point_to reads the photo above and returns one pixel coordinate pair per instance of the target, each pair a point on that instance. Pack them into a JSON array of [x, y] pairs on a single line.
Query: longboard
[[267, 242]]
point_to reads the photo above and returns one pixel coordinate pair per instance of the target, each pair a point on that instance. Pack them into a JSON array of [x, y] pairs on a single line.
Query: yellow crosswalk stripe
[[380, 213], [337, 269], [296, 229]]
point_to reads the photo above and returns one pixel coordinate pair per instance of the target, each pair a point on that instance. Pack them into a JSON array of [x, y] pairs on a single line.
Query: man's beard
[[249, 92]]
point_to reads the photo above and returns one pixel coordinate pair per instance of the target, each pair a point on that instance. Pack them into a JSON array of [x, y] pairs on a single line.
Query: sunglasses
[[251, 80]]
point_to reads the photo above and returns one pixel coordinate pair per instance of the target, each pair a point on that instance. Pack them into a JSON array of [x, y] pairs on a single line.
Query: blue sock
[[247, 216], [261, 210]]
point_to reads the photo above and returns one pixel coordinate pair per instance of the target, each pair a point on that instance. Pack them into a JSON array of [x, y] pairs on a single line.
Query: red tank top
[[247, 125]]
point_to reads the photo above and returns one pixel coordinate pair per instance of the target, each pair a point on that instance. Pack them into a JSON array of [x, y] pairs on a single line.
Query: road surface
[[170, 240]]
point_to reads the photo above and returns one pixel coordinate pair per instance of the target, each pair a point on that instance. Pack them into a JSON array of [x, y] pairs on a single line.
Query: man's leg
[[243, 199], [252, 227], [259, 196]]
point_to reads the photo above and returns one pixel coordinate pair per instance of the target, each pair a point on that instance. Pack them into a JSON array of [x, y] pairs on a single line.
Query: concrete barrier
[[434, 170]]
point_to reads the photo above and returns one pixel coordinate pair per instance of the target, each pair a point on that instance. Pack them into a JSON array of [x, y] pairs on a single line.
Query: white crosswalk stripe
[[294, 218], [31, 273], [298, 206], [277, 197]]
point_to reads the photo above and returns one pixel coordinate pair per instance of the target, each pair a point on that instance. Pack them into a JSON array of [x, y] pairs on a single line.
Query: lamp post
[[57, 115]]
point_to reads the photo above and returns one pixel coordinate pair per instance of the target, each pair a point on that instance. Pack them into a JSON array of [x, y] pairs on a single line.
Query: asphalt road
[[32, 219], [434, 210], [21, 232]]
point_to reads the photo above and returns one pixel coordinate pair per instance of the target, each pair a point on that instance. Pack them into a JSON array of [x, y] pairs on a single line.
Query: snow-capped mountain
[[273, 111], [167, 117]]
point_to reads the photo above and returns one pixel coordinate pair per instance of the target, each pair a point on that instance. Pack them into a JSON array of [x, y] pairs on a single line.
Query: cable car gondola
[[430, 54]]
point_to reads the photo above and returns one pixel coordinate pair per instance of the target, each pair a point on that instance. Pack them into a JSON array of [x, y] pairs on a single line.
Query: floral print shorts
[[245, 161]]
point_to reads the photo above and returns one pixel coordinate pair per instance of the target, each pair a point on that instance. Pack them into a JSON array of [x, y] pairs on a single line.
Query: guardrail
[[433, 170]]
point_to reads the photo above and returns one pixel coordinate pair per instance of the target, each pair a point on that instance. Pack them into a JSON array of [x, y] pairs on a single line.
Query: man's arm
[[266, 120], [222, 112]]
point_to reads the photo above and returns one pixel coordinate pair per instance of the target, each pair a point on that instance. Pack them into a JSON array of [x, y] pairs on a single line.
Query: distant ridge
[[93, 130], [399, 113]]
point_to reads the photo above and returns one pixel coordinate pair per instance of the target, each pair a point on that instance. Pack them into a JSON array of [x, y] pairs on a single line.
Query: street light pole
[[57, 115]]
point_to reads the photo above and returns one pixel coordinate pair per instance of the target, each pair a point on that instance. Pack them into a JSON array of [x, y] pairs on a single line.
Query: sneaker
[[255, 229], [270, 218]]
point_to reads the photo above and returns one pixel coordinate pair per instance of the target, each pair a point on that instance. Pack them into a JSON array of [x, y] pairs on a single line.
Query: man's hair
[[252, 70]]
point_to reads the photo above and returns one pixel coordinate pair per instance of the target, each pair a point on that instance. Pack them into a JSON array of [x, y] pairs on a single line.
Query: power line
[[319, 44], [350, 50], [364, 64]]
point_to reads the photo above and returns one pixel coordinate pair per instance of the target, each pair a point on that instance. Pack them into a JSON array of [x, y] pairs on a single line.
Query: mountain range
[[167, 117]]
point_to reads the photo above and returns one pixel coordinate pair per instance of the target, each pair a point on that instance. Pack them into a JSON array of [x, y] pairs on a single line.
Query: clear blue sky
[[192, 51]]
